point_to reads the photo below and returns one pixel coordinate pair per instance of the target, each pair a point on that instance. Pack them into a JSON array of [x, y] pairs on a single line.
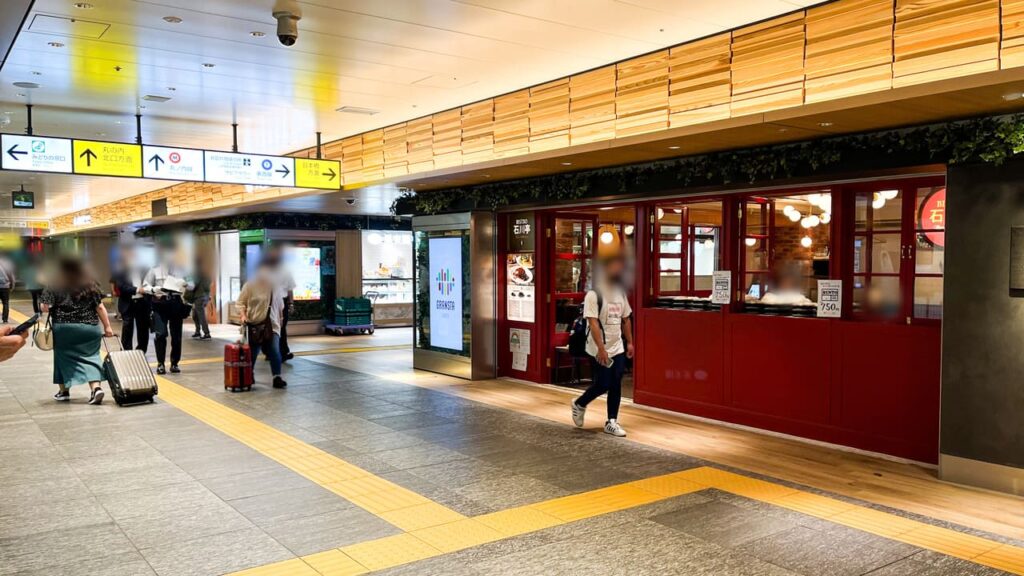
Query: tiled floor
[[153, 490]]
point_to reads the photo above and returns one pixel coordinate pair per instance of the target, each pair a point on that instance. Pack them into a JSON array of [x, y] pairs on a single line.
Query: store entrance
[[579, 239]]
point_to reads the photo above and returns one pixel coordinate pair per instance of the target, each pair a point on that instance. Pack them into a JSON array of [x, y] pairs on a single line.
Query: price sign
[[173, 163], [830, 298], [255, 169], [107, 158], [323, 174], [721, 287], [35, 154]]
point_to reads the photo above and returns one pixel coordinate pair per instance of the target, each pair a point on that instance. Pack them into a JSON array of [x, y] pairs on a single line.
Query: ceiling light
[[750, 241], [813, 221], [1013, 96], [679, 236], [673, 147], [794, 216], [826, 217], [629, 229], [806, 241], [606, 237], [787, 209], [82, 5], [257, 34], [55, 44], [208, 65], [172, 19], [889, 194], [661, 213], [357, 110], [155, 98], [824, 124], [29, 85], [677, 210], [566, 163]]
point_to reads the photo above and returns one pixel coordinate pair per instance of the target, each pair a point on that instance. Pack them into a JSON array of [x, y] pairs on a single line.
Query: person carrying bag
[[261, 304]]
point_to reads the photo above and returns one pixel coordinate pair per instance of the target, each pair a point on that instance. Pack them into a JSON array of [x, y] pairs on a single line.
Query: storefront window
[[899, 252], [785, 250], [687, 250]]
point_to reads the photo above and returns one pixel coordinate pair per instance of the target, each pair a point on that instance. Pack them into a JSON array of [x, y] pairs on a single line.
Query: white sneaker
[[578, 414], [612, 427]]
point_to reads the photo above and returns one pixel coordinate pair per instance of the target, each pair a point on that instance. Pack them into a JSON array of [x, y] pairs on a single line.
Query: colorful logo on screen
[[445, 282]]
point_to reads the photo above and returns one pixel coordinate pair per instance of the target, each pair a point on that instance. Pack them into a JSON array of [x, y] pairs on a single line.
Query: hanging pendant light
[[806, 242]]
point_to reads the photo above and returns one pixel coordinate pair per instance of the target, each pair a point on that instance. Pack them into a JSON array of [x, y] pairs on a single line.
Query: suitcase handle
[[117, 341]]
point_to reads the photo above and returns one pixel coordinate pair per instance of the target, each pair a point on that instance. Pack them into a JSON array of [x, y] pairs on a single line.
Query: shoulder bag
[[42, 334]]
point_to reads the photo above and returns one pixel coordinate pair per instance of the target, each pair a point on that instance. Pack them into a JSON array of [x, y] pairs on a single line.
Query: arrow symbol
[[331, 174], [284, 171], [157, 161], [89, 155], [13, 152]]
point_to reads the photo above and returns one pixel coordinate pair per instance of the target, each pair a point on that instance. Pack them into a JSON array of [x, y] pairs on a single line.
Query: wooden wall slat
[[592, 106], [768, 65], [549, 116], [937, 39], [641, 94], [352, 159], [849, 49], [512, 124], [396, 151], [1011, 52], [448, 138], [700, 81], [373, 155], [419, 136], [478, 132]]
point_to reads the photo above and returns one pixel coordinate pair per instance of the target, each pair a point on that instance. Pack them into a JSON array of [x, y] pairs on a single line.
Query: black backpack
[[580, 330]]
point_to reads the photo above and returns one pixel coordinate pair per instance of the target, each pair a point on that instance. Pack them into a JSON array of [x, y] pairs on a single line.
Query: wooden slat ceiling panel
[[938, 39], [847, 49], [1012, 49], [700, 81]]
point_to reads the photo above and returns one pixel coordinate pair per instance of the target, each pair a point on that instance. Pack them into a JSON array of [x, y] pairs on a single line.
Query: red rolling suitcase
[[238, 375]]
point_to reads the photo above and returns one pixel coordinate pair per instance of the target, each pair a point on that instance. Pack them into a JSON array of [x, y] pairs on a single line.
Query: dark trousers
[[36, 309], [199, 315], [167, 321], [135, 322], [5, 301], [606, 379], [285, 350]]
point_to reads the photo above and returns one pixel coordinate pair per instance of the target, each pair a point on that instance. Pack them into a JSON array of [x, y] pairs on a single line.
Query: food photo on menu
[[520, 269]]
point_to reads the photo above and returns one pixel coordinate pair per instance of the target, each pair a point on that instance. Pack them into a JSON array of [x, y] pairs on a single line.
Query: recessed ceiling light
[[257, 34], [824, 124], [566, 163], [82, 5], [36, 73], [172, 19], [1013, 96], [357, 110], [155, 98], [55, 44], [21, 94], [29, 85], [673, 147], [171, 88], [208, 65]]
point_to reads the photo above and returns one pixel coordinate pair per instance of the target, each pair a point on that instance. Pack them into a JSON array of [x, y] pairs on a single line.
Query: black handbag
[[262, 331]]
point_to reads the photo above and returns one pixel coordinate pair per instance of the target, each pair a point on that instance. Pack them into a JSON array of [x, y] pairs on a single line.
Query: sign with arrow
[[255, 169], [323, 174], [35, 153], [107, 158], [173, 163]]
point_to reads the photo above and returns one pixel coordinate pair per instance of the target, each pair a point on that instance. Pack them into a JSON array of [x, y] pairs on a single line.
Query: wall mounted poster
[[445, 257], [304, 264], [721, 287], [521, 287]]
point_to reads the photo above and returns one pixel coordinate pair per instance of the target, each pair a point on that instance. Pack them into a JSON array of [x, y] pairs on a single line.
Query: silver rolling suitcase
[[128, 374]]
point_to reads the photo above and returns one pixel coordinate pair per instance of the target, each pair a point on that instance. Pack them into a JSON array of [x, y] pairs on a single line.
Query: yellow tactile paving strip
[[320, 352], [430, 529], [403, 508]]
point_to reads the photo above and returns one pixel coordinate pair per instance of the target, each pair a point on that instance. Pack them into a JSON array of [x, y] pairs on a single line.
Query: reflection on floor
[[208, 482]]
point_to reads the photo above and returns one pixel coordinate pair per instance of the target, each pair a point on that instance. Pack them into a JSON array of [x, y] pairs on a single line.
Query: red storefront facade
[[868, 379]]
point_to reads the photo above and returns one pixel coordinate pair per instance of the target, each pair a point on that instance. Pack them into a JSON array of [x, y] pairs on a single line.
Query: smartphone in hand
[[24, 326]]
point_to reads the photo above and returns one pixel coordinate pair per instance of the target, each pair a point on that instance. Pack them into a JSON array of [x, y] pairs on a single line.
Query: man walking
[[6, 285], [610, 342]]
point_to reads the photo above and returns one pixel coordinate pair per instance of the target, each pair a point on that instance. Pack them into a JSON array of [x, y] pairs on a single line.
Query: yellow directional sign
[[107, 158], [312, 173]]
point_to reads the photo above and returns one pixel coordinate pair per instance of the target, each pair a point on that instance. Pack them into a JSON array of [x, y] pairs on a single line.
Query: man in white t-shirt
[[609, 343]]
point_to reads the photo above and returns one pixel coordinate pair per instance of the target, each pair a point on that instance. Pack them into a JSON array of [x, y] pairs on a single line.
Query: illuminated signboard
[[35, 154], [173, 163], [96, 158], [323, 174], [445, 255], [255, 169]]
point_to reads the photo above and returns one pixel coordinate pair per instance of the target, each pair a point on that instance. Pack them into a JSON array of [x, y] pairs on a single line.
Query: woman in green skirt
[[75, 305]]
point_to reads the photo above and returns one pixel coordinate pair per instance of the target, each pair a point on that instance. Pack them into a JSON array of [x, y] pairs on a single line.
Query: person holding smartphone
[[610, 342], [11, 341]]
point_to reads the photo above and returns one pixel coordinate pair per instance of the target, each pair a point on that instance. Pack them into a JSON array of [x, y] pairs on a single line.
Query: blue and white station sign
[[172, 163], [255, 169]]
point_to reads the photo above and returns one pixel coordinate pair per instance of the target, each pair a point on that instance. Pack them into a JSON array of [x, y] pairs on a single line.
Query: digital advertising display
[[445, 257], [304, 264]]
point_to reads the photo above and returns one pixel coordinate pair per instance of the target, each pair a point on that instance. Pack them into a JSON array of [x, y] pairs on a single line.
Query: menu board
[[521, 287], [830, 298], [445, 257], [304, 264]]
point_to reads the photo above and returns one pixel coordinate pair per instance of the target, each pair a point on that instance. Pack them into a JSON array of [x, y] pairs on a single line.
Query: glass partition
[[686, 245]]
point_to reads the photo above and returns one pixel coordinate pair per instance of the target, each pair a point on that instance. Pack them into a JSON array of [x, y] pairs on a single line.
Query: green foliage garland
[[991, 139]]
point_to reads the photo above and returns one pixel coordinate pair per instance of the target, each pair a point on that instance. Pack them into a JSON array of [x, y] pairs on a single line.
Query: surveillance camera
[[350, 201], [288, 24]]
